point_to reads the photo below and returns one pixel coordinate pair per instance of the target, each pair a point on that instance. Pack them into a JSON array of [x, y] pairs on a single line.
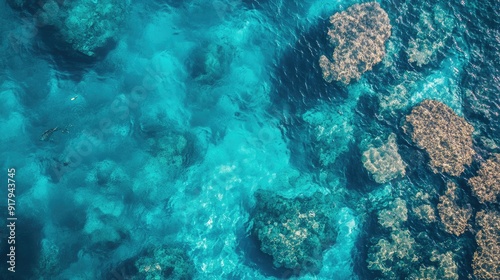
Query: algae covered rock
[[85, 27], [165, 263], [486, 185], [486, 261], [445, 268], [400, 254], [445, 136], [90, 25], [384, 163], [394, 216], [394, 256], [294, 231], [453, 216], [358, 35], [433, 30]]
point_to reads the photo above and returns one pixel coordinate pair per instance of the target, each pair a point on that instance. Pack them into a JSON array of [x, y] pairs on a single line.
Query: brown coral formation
[[486, 262], [453, 216], [486, 185], [446, 268], [384, 163], [423, 208], [393, 257], [358, 34], [399, 255], [394, 216], [444, 135]]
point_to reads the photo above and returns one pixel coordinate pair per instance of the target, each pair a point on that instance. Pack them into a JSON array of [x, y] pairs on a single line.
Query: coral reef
[[86, 26], [358, 35], [399, 255], [393, 257], [486, 185], [394, 216], [424, 210], [486, 261], [445, 136], [433, 29], [393, 254], [168, 150], [168, 159], [294, 231], [332, 132], [399, 95], [446, 269], [454, 217], [165, 263], [92, 24], [384, 163]]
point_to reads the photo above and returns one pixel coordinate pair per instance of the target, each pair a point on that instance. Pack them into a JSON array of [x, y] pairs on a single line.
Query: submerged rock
[[399, 254], [85, 27], [91, 25], [393, 256], [445, 136], [384, 163], [454, 217], [486, 185], [486, 262], [294, 231], [358, 35], [165, 263]]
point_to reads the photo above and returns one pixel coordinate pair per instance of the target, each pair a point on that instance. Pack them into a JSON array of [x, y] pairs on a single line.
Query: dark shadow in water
[[27, 248], [360, 254], [70, 63], [123, 270], [297, 81]]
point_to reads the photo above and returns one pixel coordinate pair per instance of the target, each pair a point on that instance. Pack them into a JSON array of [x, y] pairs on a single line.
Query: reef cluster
[[486, 185], [358, 35], [398, 252], [486, 262], [294, 231], [226, 171], [384, 163], [84, 27], [454, 217], [164, 263], [445, 136]]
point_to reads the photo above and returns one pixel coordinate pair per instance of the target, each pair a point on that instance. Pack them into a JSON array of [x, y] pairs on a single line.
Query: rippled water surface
[[199, 140]]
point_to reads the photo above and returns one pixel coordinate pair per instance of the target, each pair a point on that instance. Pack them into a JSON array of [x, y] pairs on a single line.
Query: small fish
[[46, 135]]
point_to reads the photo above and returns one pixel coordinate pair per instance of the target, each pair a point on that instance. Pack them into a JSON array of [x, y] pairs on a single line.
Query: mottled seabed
[[199, 140]]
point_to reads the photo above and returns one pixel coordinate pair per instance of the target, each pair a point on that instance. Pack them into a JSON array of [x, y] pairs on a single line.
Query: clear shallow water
[[164, 140]]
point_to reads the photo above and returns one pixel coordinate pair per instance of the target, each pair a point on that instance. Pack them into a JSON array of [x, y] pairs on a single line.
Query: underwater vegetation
[[245, 139]]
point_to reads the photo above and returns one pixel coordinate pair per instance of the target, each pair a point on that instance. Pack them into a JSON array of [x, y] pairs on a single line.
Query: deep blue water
[[166, 133]]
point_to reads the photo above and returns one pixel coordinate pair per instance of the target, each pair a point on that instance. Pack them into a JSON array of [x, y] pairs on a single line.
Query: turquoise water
[[166, 133]]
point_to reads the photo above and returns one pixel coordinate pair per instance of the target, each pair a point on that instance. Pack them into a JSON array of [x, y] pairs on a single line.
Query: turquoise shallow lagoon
[[200, 139]]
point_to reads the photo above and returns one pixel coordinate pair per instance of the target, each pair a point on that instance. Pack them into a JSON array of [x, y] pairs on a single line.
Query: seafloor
[[199, 139]]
